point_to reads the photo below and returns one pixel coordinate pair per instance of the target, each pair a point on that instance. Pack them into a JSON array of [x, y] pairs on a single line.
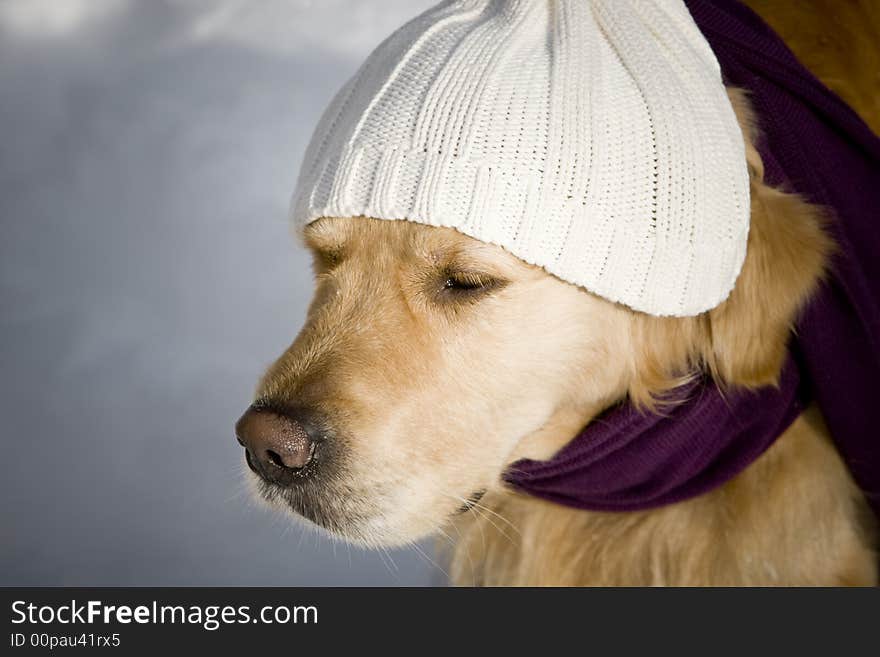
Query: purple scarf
[[817, 146]]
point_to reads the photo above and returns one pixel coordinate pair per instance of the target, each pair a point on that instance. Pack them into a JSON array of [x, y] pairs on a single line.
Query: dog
[[430, 361]]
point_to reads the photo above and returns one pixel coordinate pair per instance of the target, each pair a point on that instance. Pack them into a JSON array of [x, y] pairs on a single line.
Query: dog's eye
[[465, 282], [325, 259], [468, 285]]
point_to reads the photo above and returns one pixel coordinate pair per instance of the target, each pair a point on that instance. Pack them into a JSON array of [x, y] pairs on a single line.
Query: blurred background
[[148, 150]]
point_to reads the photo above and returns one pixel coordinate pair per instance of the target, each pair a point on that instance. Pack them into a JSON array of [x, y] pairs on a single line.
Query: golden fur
[[434, 390], [790, 519]]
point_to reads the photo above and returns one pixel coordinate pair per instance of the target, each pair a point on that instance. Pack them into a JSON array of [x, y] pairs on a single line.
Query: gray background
[[148, 150]]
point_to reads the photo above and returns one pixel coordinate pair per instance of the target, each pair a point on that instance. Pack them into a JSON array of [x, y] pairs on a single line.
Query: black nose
[[278, 445]]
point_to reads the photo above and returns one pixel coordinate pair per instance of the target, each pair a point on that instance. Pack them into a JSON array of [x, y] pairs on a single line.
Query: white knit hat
[[593, 138]]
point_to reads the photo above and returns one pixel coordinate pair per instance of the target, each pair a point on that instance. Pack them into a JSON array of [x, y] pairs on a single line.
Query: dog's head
[[427, 359], [430, 361]]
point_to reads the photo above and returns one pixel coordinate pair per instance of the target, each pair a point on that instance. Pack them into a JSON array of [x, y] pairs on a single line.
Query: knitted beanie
[[592, 138]]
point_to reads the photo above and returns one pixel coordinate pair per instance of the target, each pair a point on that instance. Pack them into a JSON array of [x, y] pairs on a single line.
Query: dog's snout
[[278, 445]]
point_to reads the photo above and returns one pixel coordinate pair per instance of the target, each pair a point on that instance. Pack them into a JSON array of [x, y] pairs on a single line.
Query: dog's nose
[[277, 445]]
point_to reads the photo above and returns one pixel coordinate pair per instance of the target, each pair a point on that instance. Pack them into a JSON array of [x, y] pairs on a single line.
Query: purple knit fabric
[[814, 144]]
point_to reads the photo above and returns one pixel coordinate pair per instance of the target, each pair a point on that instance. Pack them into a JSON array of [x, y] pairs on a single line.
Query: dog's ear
[[785, 260], [743, 341]]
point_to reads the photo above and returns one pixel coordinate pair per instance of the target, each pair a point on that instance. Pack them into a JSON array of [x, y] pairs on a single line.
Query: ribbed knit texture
[[592, 138]]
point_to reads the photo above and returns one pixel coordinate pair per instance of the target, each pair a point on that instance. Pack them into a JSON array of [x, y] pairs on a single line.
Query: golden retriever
[[430, 361]]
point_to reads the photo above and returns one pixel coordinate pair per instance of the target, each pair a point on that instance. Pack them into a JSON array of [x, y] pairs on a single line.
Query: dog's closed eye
[[468, 284], [464, 281], [324, 260]]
